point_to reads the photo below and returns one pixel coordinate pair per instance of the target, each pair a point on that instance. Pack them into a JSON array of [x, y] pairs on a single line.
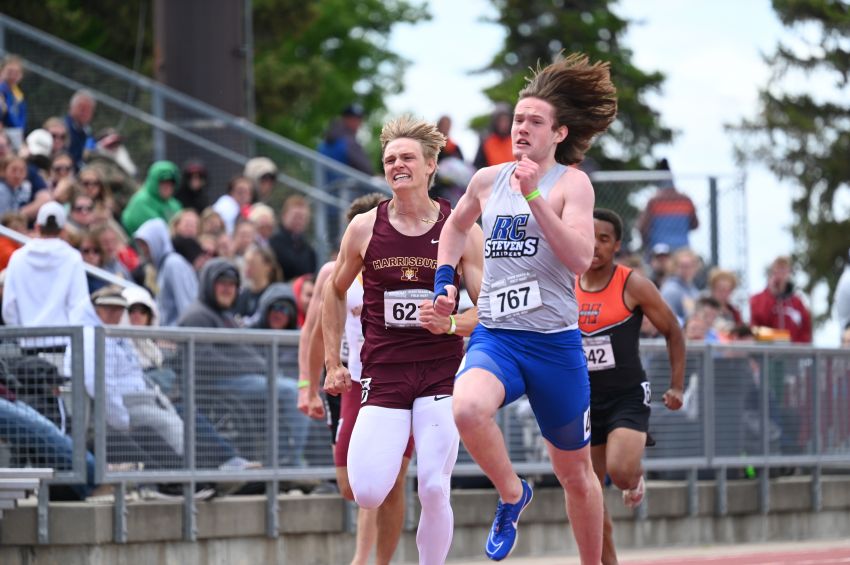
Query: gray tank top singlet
[[525, 286]]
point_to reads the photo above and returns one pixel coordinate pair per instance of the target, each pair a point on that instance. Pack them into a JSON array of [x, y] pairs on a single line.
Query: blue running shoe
[[503, 534]]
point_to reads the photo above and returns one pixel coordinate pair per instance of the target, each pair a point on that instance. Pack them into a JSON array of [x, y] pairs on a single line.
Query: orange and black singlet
[[610, 335]]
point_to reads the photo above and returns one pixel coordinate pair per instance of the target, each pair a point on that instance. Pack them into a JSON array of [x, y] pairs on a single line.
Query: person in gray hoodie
[[228, 370], [175, 277]]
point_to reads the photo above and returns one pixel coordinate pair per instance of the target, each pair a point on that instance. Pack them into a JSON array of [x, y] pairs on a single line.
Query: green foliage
[[803, 136], [537, 30], [314, 58]]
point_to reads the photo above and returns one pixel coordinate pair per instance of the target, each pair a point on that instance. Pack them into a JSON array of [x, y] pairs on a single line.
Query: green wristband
[[532, 195], [303, 383]]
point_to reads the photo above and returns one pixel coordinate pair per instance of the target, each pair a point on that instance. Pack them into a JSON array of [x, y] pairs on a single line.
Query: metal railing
[[751, 411], [159, 122]]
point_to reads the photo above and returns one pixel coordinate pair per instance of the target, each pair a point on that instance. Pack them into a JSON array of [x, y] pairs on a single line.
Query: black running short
[[621, 409]]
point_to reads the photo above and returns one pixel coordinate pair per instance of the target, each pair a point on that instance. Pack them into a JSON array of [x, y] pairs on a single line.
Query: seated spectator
[[16, 194], [7, 150], [110, 151], [59, 132], [779, 307], [82, 212], [234, 204], [61, 177], [191, 250], [668, 217], [177, 284], [185, 223], [155, 199], [211, 223], [277, 311], [78, 124], [91, 181], [294, 253], [678, 290], [261, 270], [262, 216], [263, 173], [37, 441], [92, 255], [38, 154], [194, 186], [138, 414], [118, 257], [721, 285], [237, 370], [244, 236], [14, 221], [700, 324]]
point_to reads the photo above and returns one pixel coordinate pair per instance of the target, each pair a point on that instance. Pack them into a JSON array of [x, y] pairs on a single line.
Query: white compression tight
[[374, 460]]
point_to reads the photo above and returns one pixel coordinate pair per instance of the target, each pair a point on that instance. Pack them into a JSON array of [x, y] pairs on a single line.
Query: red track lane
[[833, 556]]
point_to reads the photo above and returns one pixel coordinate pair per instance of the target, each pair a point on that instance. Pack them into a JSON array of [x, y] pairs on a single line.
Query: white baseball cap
[[48, 209]]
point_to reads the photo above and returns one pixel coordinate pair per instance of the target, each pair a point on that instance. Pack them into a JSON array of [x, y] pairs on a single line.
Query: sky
[[711, 54]]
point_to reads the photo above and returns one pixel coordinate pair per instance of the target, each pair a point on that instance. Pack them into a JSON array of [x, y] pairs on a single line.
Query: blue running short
[[550, 368]]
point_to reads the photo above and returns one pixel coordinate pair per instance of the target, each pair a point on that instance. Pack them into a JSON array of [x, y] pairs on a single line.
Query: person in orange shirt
[[14, 221], [496, 148], [612, 301]]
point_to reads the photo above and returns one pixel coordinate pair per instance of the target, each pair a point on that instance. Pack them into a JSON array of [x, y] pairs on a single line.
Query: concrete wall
[[312, 528]]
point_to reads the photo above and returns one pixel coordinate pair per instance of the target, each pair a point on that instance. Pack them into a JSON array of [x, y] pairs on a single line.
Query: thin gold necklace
[[440, 214]]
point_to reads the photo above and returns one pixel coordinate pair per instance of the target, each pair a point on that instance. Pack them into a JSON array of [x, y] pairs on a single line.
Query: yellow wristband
[[453, 326], [303, 383], [532, 195]]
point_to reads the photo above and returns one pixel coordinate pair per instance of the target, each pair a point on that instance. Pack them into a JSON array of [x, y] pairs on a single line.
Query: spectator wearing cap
[[13, 107], [340, 142], [194, 186], [78, 123], [263, 173], [176, 281], [45, 279], [155, 199], [235, 203], [659, 263], [38, 152], [496, 147], [239, 370]]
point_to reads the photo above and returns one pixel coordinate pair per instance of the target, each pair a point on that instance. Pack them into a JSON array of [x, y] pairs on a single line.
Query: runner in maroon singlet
[[409, 361]]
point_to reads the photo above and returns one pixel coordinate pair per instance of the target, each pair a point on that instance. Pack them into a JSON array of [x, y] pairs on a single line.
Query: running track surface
[[822, 552]]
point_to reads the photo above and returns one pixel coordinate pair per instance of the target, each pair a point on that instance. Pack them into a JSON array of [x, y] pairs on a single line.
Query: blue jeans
[[37, 439], [251, 394]]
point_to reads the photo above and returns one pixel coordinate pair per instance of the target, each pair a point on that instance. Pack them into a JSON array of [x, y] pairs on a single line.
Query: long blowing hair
[[583, 98]]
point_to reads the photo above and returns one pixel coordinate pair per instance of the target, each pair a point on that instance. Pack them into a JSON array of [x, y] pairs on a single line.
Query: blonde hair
[[408, 127], [582, 96], [716, 275]]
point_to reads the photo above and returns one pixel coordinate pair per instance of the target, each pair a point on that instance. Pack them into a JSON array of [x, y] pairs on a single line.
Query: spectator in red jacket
[[779, 307]]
